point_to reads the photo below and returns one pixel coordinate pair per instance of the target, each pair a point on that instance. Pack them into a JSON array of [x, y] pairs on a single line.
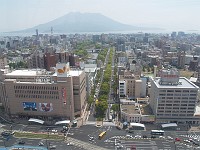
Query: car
[[21, 142], [153, 136], [138, 136], [5, 133], [144, 136], [177, 139], [69, 144], [52, 146], [118, 128], [130, 131], [55, 131], [98, 125], [169, 138], [129, 136], [63, 131], [186, 141], [41, 144], [91, 138], [161, 137]]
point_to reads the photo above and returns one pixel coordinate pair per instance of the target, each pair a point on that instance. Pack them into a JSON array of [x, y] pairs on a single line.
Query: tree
[[115, 107], [90, 100], [101, 108]]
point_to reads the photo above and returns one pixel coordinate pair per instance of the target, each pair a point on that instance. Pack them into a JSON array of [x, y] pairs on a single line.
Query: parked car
[[144, 136], [21, 142], [153, 136], [52, 146], [118, 128], [41, 144], [5, 133]]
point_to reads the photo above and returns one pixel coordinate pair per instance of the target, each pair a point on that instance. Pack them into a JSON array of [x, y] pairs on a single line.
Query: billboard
[[45, 107], [29, 106], [64, 94]]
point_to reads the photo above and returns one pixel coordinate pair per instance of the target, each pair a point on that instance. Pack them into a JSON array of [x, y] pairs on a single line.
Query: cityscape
[[85, 81]]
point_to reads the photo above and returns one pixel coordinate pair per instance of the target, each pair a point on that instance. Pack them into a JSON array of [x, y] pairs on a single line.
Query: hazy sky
[[168, 14]]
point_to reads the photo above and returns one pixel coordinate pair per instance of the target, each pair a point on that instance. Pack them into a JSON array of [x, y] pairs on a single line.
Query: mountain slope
[[82, 22]]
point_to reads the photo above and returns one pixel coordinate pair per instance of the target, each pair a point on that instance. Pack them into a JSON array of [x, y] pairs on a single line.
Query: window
[[170, 90]]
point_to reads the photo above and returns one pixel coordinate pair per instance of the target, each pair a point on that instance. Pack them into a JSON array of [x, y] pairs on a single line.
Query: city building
[[3, 62], [127, 86], [173, 98], [45, 95]]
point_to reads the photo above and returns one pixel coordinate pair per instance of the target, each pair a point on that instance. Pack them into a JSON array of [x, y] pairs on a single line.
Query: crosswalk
[[192, 136], [84, 145]]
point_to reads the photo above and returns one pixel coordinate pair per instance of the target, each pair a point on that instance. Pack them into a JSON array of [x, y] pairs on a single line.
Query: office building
[[173, 98]]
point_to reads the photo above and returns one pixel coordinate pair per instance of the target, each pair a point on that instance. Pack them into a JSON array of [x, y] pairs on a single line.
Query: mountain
[[82, 22]]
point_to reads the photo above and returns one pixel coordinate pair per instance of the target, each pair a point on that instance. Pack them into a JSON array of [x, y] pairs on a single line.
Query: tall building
[[49, 60], [3, 62], [173, 98], [35, 93], [181, 59], [130, 86], [36, 60]]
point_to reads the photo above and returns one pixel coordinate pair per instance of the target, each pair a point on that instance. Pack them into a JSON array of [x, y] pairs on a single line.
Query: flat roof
[[130, 109], [36, 120], [169, 125], [90, 69], [71, 73], [63, 122], [22, 73], [137, 124], [185, 83]]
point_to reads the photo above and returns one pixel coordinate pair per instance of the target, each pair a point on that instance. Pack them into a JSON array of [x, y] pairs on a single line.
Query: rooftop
[[184, 83], [31, 72], [130, 109]]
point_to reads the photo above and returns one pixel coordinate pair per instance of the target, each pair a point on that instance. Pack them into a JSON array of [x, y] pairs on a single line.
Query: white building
[[173, 98]]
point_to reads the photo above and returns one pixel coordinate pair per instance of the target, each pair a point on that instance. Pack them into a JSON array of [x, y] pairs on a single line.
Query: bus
[[157, 132], [101, 135]]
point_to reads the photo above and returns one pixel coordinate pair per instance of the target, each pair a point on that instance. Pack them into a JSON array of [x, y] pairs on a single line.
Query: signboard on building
[[45, 107], [29, 106], [64, 95], [62, 69]]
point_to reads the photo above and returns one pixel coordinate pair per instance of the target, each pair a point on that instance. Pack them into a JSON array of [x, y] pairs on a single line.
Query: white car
[[55, 131], [69, 144], [138, 136], [169, 138], [129, 136], [41, 144]]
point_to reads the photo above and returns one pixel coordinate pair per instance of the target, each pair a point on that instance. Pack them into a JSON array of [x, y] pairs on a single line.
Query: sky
[[178, 15]]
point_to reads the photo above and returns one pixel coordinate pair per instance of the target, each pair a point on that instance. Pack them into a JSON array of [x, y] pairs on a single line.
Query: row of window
[[36, 87], [175, 101], [36, 92], [175, 94], [170, 108], [174, 114], [176, 104], [178, 98], [179, 91], [37, 96]]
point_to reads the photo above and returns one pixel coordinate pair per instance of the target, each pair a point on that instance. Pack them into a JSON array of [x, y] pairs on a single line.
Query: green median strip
[[38, 135]]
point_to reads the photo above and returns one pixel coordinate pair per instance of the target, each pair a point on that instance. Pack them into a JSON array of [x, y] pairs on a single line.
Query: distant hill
[[82, 22]]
